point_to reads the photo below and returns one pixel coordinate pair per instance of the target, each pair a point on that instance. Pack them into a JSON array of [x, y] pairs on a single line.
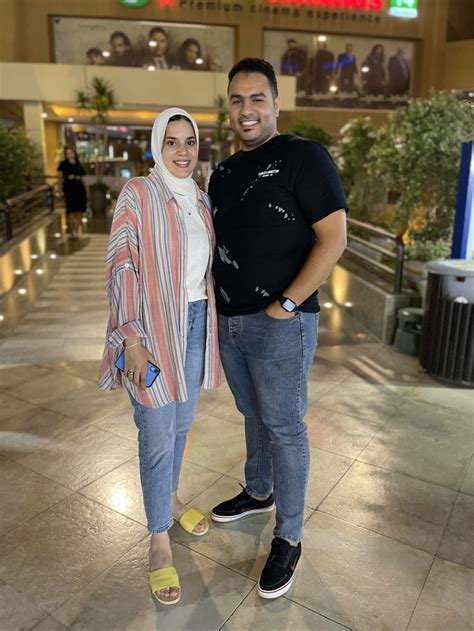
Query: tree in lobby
[[417, 154], [98, 98], [21, 166]]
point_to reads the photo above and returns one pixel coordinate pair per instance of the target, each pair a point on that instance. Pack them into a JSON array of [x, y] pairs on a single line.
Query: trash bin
[[408, 333], [447, 338]]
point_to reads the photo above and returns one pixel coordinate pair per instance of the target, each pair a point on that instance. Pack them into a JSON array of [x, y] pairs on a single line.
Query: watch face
[[288, 305]]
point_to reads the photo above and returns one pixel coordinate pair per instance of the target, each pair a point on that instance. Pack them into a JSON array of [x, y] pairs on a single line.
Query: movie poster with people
[[140, 44], [343, 71]]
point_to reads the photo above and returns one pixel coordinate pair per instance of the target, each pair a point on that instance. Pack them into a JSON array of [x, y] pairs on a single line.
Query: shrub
[[21, 165]]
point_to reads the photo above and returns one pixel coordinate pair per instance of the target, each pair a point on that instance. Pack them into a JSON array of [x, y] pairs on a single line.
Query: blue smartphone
[[152, 371]]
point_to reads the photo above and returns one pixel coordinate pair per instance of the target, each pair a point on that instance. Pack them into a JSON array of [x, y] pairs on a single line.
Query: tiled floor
[[388, 538]]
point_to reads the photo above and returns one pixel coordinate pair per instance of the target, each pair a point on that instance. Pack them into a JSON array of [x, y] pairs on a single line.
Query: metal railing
[[17, 213], [397, 255]]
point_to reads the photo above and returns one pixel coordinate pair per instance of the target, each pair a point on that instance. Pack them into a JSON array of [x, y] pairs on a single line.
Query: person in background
[[213, 63], [293, 62], [322, 69], [121, 50], [162, 310], [373, 72], [75, 195], [280, 221], [190, 56], [346, 70], [398, 74], [95, 57], [158, 54]]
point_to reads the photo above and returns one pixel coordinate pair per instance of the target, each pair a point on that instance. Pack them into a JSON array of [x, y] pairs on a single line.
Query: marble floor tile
[[408, 510], [121, 599], [50, 624], [326, 469], [358, 578], [420, 454], [365, 401], [49, 387], [81, 458], [468, 482], [118, 421], [434, 420], [12, 376], [121, 490], [215, 444], [278, 615], [325, 370], [451, 399], [24, 433], [446, 600], [339, 433], [458, 540], [17, 613], [24, 494], [86, 370], [88, 404], [53, 555], [11, 406]]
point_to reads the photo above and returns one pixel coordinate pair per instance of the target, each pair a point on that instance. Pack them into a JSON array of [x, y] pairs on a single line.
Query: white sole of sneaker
[[248, 513], [277, 592]]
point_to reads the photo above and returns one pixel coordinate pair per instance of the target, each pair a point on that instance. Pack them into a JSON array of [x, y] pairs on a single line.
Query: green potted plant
[[417, 155], [98, 98], [21, 165], [312, 132]]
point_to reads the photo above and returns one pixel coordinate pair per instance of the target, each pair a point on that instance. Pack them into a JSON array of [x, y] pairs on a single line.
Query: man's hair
[[94, 51], [291, 41], [121, 34], [157, 29], [255, 65]]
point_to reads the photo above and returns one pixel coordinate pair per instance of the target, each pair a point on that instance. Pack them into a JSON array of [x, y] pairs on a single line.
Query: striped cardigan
[[146, 285]]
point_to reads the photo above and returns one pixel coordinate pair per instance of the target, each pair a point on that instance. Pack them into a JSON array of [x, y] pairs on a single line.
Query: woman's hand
[[136, 360]]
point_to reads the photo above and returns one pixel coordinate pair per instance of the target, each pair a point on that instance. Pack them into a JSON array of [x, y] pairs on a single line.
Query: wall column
[[34, 125]]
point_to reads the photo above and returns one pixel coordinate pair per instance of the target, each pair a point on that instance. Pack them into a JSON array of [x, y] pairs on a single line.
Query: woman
[[162, 310], [188, 55], [74, 190]]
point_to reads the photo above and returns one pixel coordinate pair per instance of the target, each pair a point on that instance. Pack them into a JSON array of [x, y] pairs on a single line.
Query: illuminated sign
[[362, 5], [133, 4], [403, 8]]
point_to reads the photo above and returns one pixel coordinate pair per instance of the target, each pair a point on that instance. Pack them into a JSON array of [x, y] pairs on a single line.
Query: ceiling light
[[199, 61], [39, 271], [151, 68], [333, 88], [70, 119], [57, 235], [22, 291], [44, 115], [328, 305], [105, 53], [365, 69], [348, 304], [53, 256], [34, 257], [322, 38], [2, 317], [18, 272], [152, 43]]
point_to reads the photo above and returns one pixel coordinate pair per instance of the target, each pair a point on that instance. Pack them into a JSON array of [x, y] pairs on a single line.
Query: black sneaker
[[277, 575], [240, 506]]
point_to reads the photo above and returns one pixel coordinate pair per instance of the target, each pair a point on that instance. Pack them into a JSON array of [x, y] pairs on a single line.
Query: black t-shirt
[[71, 171], [265, 202]]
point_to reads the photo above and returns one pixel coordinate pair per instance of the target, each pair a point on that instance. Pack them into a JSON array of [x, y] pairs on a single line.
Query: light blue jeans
[[162, 431], [266, 363]]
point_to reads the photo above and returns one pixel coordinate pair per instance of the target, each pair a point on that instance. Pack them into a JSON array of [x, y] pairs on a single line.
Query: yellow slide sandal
[[165, 577], [190, 519]]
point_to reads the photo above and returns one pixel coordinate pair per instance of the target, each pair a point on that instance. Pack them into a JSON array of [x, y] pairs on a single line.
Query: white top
[[198, 252]]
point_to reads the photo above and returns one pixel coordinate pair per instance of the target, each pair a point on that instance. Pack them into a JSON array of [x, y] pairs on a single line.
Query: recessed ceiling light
[[70, 119], [34, 257], [53, 256], [348, 304], [39, 271], [328, 305], [18, 272], [22, 291], [44, 115], [57, 235], [322, 38], [2, 317]]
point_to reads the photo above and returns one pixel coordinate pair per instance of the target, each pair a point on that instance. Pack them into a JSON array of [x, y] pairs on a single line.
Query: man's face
[[161, 44], [253, 111], [348, 49], [119, 47]]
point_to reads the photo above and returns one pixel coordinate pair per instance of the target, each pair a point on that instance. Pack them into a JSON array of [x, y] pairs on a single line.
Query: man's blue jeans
[[266, 363], [162, 431]]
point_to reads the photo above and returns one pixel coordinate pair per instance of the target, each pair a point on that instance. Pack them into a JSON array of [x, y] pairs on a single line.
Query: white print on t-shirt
[[268, 172], [286, 214], [224, 295], [264, 292], [223, 252]]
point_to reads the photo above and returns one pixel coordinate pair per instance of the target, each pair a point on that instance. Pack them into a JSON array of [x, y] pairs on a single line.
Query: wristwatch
[[287, 303]]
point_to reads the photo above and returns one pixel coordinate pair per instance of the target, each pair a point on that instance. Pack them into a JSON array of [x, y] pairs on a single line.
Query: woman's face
[[161, 44], [179, 151], [70, 155], [191, 53]]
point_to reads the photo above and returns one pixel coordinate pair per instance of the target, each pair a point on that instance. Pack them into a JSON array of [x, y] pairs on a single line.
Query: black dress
[[73, 187]]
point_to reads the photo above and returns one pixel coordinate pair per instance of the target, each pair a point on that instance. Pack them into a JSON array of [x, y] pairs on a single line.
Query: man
[[346, 70], [159, 54], [322, 68], [398, 74], [293, 62], [280, 220], [94, 57]]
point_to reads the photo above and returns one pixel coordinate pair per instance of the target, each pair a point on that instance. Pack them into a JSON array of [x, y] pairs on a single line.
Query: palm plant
[[98, 98]]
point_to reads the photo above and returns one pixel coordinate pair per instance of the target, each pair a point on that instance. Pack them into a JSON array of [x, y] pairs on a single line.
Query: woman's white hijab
[[182, 186]]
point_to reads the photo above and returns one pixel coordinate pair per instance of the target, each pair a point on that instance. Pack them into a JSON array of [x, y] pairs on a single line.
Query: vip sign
[[404, 8], [133, 4]]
